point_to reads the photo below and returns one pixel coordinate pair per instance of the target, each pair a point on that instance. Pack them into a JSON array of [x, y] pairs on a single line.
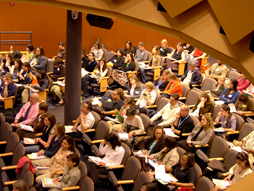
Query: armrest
[[157, 67], [120, 182], [162, 92], [152, 106], [9, 167], [6, 154], [88, 131], [196, 85], [115, 167], [144, 133], [73, 122], [10, 183], [207, 91], [11, 97], [249, 114], [61, 78], [185, 134], [59, 172], [106, 77], [131, 72], [71, 188], [145, 62], [135, 99], [97, 141], [48, 73], [218, 158], [232, 132], [46, 146], [3, 142], [216, 98], [38, 134], [191, 106], [182, 98], [199, 146]]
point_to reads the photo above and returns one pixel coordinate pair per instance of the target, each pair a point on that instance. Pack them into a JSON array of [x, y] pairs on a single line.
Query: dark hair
[[130, 45], [9, 55], [134, 77], [27, 64], [158, 127], [83, 51], [20, 64], [42, 51], [120, 92], [225, 107], [131, 111], [129, 101], [61, 43], [105, 66], [121, 51], [92, 54], [235, 84], [98, 44], [57, 62], [74, 158], [60, 128], [43, 73], [30, 47], [113, 139], [191, 158], [141, 44], [131, 55], [175, 96], [205, 95], [150, 186], [16, 55], [51, 117], [89, 105], [180, 44], [20, 185], [170, 142], [243, 97], [242, 156], [70, 141], [172, 76], [43, 106]]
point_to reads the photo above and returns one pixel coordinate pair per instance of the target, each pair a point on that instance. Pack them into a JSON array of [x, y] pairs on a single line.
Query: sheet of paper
[[96, 101], [48, 183], [95, 159], [169, 132], [29, 141], [42, 167], [219, 130], [219, 102], [221, 183], [26, 127], [84, 72], [68, 129], [34, 156], [161, 174], [139, 154], [60, 83], [123, 136], [111, 119], [232, 109]]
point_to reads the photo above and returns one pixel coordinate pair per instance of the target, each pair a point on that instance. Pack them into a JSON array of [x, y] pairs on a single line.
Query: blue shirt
[[232, 97], [11, 89], [151, 147]]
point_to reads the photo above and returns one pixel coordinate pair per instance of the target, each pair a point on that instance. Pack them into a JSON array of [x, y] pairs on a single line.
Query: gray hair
[[191, 63]]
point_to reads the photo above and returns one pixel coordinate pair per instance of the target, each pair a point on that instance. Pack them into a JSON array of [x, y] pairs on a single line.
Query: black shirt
[[109, 106], [165, 51], [177, 56], [186, 175], [117, 62], [131, 67], [190, 48]]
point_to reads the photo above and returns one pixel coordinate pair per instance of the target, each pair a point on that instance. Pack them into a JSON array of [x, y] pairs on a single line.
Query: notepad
[[221, 183], [96, 160], [26, 127], [160, 174], [29, 141], [68, 129], [34, 156], [219, 130], [48, 182], [123, 136], [169, 132], [111, 119], [42, 167]]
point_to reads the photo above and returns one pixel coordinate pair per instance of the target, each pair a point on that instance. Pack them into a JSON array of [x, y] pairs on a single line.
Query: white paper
[[34, 156], [161, 174], [26, 127], [219, 130], [68, 129], [30, 140], [95, 159], [19, 85], [139, 154], [42, 167], [222, 183], [95, 101], [232, 109], [60, 83], [169, 132], [111, 119], [219, 102], [123, 136], [84, 72]]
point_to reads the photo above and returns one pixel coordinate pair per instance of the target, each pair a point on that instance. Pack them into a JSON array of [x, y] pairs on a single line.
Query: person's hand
[[203, 100], [1, 98], [32, 85], [151, 121], [120, 131], [228, 177], [55, 180], [188, 141], [103, 142], [41, 152], [172, 128], [17, 125], [42, 165], [160, 163], [151, 173], [37, 140], [147, 93], [126, 60], [219, 114], [173, 183], [144, 152], [102, 164], [82, 115], [74, 128], [178, 115], [53, 172], [16, 121], [131, 134], [6, 83]]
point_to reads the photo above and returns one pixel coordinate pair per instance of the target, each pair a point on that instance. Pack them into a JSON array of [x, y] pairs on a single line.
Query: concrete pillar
[[73, 67]]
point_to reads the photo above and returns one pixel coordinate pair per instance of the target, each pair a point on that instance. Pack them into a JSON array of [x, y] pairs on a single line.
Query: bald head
[[34, 98], [184, 110]]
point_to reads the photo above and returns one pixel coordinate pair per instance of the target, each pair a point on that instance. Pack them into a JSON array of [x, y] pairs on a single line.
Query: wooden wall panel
[[48, 26]]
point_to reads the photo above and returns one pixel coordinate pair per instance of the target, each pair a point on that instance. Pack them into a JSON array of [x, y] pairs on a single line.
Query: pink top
[[243, 83], [34, 111]]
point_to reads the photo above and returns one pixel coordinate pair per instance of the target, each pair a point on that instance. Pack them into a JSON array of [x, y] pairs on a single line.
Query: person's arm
[[205, 140], [32, 115], [103, 73], [54, 150], [146, 56], [206, 108], [72, 181], [41, 64], [119, 63], [140, 126], [222, 95], [234, 98], [100, 54], [6, 90], [43, 87], [231, 172], [112, 112], [103, 148], [217, 120], [140, 90], [196, 79], [44, 143], [175, 88], [171, 119], [132, 66], [243, 86], [86, 124]]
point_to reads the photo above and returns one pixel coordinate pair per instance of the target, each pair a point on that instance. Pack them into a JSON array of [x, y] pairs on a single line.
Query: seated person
[[121, 115], [241, 169], [141, 53], [41, 86], [99, 72], [132, 125], [54, 145], [162, 82], [174, 86], [203, 105], [27, 114], [167, 115], [117, 61], [164, 49], [113, 155], [84, 58], [231, 94], [218, 88], [149, 186], [38, 123], [129, 48], [197, 55], [147, 97], [58, 162], [99, 41], [59, 70], [227, 120], [61, 53], [244, 104], [71, 175], [183, 122], [200, 135], [7, 63], [167, 156], [84, 121], [243, 83], [97, 50], [91, 63], [8, 88], [192, 76], [250, 90], [178, 55], [27, 77], [39, 60], [46, 137], [154, 61], [247, 144], [155, 143], [16, 70], [136, 87], [29, 55], [112, 106], [216, 70], [188, 47], [183, 171], [57, 94]]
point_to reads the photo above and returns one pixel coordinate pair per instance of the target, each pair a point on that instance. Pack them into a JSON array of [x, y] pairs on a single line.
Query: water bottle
[[11, 49]]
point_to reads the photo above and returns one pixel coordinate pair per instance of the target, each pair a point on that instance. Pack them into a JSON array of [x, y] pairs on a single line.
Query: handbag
[[131, 128]]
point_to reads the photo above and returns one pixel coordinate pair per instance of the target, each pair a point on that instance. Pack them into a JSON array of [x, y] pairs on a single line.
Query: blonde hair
[[165, 42], [134, 77], [150, 85], [209, 124], [167, 72], [172, 76]]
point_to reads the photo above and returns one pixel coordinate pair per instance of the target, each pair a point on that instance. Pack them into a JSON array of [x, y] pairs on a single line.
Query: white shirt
[[235, 170], [143, 100], [187, 80], [112, 156], [88, 120]]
